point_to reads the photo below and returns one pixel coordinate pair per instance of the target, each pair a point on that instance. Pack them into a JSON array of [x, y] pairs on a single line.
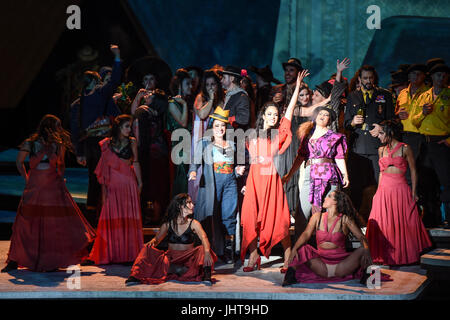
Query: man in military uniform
[[366, 109]]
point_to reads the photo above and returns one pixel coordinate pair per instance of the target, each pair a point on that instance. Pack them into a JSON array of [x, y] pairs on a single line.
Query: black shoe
[[289, 278], [228, 252], [207, 274], [132, 280], [12, 265], [87, 263], [364, 278]]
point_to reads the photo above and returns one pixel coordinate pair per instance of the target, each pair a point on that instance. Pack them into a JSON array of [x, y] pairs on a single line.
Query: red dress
[[49, 231], [395, 231], [119, 231], [265, 211]]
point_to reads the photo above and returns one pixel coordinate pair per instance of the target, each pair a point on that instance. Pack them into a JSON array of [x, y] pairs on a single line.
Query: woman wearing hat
[[324, 151], [217, 196], [265, 211]]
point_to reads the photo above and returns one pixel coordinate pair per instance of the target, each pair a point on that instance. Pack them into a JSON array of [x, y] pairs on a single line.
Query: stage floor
[[108, 282]]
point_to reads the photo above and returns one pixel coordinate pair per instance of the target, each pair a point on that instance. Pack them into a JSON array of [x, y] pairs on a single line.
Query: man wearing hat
[[264, 77], [87, 115], [236, 99], [399, 81], [433, 121], [366, 109], [282, 93]]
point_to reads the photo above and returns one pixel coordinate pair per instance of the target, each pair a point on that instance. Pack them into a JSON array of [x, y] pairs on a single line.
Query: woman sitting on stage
[[330, 262], [183, 260]]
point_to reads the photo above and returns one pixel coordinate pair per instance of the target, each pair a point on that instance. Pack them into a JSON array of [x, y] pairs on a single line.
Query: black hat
[[333, 115], [417, 66], [398, 78], [434, 61], [325, 89], [293, 62], [264, 73], [439, 68], [231, 70]]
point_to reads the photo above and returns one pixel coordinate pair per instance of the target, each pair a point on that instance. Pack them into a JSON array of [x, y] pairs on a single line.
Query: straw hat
[[220, 114]]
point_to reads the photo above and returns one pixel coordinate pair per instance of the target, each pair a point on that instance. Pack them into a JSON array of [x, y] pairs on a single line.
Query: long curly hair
[[117, 124], [51, 131], [175, 208], [219, 97], [345, 206]]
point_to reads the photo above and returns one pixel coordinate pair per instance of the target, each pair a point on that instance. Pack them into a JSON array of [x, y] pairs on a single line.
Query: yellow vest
[[404, 100]]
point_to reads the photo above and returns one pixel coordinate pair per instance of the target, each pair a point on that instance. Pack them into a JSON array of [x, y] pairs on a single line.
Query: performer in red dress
[[49, 231], [265, 212], [119, 231], [183, 261], [395, 230]]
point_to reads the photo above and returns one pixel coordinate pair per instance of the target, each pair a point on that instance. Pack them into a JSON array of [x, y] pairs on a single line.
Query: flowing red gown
[[265, 211], [395, 231], [49, 231], [119, 231]]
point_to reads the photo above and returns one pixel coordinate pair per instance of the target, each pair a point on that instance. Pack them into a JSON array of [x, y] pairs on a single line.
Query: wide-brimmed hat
[[434, 61], [220, 114], [293, 62], [439, 68], [231, 70], [417, 66], [316, 111], [87, 53], [150, 65], [398, 78], [265, 73], [325, 89]]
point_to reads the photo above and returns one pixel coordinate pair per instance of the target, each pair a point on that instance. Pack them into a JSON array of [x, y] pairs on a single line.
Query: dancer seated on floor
[[330, 262], [183, 260]]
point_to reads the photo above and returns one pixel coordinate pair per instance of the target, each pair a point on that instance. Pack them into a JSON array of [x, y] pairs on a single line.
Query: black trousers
[[435, 173], [93, 152]]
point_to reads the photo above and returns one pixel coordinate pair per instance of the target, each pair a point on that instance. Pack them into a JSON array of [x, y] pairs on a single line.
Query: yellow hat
[[220, 114]]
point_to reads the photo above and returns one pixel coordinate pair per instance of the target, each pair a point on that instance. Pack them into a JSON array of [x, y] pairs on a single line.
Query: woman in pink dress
[[395, 231], [329, 262], [49, 232], [119, 231]]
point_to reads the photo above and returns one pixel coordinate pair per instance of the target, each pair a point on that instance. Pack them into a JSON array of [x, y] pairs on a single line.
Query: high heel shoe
[[257, 264]]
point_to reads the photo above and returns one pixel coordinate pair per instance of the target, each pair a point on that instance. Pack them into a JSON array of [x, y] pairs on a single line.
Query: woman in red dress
[[183, 261], [395, 230], [119, 231], [49, 231], [265, 212]]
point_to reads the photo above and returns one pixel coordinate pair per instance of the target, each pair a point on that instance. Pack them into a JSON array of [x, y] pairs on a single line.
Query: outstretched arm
[[304, 237], [293, 102], [160, 235], [197, 227]]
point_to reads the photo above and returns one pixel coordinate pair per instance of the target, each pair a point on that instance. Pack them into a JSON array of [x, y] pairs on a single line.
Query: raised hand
[[344, 64], [302, 75], [115, 50]]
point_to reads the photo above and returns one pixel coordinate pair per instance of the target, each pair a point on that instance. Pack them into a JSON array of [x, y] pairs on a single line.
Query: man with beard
[[281, 94], [366, 109]]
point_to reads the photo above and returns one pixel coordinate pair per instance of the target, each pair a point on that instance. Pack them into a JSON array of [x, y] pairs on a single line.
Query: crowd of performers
[[335, 148]]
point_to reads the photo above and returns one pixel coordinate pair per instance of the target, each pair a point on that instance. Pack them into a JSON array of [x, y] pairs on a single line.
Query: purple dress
[[324, 172]]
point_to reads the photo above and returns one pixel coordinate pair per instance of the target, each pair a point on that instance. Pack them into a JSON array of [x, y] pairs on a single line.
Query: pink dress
[[395, 231], [119, 231]]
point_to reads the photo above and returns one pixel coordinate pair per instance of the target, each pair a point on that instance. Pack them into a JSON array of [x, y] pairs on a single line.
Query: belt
[[435, 138], [320, 160], [223, 167]]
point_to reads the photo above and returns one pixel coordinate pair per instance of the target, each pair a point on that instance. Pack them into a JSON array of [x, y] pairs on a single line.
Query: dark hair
[[392, 129], [51, 131], [205, 95], [248, 88], [177, 80], [174, 208], [259, 125], [117, 123], [369, 69], [345, 206], [353, 82]]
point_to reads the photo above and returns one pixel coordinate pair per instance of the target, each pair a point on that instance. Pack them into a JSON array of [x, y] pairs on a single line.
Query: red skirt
[[49, 231], [395, 230], [152, 265]]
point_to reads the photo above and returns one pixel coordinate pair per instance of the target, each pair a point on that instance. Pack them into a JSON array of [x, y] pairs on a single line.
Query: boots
[[207, 274], [229, 250]]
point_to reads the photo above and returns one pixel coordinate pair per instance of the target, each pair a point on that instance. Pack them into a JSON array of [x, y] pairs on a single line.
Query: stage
[[108, 282]]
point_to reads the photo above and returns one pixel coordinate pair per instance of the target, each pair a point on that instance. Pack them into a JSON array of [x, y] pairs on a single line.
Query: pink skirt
[[395, 230]]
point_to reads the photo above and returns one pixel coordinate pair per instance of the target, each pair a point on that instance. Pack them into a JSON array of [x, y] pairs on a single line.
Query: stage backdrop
[[320, 31]]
